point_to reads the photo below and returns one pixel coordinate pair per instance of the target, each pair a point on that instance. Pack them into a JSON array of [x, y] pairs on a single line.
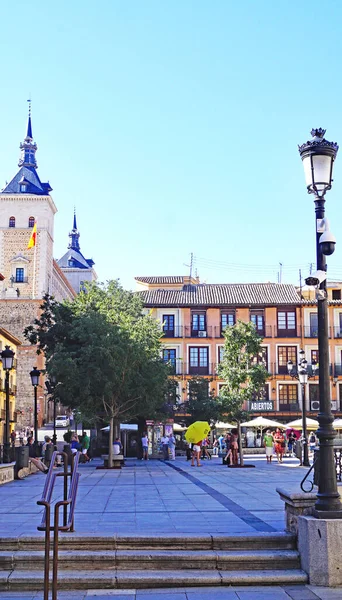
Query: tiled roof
[[73, 259], [162, 280], [34, 185], [238, 294]]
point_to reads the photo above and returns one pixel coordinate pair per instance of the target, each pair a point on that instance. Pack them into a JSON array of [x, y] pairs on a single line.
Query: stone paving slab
[[299, 592], [210, 500]]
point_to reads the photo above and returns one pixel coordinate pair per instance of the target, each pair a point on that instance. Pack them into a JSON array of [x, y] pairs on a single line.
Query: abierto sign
[[261, 405]]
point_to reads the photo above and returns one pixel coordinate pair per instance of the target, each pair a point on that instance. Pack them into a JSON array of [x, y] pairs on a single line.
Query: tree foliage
[[242, 368], [103, 351], [202, 404]]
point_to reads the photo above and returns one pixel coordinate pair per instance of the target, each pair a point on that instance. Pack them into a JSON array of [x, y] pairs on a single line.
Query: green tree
[[202, 404], [243, 370], [104, 352]]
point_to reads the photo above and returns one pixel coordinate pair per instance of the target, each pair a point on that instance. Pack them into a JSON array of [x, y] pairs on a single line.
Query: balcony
[[287, 333], [22, 280], [337, 332], [176, 332], [198, 333], [337, 370], [289, 407], [175, 366], [189, 369], [312, 332]]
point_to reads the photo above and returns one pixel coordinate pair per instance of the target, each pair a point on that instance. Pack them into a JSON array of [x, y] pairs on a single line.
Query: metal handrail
[[69, 500], [312, 483]]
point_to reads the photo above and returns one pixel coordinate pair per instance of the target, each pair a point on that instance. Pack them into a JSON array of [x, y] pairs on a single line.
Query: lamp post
[[34, 374], [301, 373], [50, 385], [318, 156], [7, 357]]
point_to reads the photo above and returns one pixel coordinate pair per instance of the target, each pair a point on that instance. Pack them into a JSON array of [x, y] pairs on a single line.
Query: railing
[[175, 332], [286, 333], [22, 280], [68, 502], [189, 369], [337, 332], [293, 407], [190, 332]]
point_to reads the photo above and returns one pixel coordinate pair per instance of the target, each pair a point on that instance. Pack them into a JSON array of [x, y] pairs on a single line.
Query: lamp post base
[[7, 449], [327, 514]]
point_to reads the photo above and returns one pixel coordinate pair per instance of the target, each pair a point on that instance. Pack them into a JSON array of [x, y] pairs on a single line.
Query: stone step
[[104, 580], [155, 559], [172, 541]]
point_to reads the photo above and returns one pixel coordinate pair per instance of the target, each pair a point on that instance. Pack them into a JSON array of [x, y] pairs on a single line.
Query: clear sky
[[173, 126]]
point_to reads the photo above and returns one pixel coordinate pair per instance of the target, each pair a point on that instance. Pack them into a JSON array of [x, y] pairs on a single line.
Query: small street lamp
[[34, 374], [300, 372], [318, 156], [7, 357], [50, 385]]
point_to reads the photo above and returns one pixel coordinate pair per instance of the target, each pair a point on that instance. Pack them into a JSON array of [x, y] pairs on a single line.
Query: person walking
[[172, 446], [196, 454], [312, 443], [279, 444], [165, 447], [75, 445], [228, 457], [85, 445], [234, 444], [291, 439], [215, 447], [144, 443], [205, 451], [268, 444]]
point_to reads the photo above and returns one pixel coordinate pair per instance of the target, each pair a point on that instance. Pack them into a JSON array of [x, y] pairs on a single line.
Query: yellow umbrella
[[197, 431]]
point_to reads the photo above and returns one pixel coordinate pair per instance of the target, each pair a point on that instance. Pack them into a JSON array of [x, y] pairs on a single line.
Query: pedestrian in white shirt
[[165, 447], [144, 443]]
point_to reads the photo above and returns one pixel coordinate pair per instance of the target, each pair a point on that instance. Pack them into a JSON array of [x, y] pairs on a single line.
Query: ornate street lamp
[[7, 357], [300, 372], [318, 156], [34, 374]]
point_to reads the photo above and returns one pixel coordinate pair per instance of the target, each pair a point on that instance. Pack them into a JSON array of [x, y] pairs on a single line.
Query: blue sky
[[173, 127]]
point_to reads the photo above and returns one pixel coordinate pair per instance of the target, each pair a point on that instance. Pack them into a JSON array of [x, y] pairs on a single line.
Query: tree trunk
[[240, 444], [111, 439], [116, 429]]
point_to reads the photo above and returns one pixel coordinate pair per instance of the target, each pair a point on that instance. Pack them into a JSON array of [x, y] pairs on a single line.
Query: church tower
[[75, 267], [26, 201], [27, 211]]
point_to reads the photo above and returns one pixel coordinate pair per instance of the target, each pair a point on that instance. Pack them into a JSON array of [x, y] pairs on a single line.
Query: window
[[220, 353], [288, 397], [257, 318], [22, 187], [198, 323], [313, 324], [169, 325], [287, 323], [19, 275], [262, 357], [169, 356], [313, 393], [198, 360], [286, 353], [227, 320], [336, 294], [12, 222], [31, 222], [314, 356]]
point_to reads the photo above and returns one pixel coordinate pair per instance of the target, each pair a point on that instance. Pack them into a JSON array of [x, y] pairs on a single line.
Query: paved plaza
[[167, 497]]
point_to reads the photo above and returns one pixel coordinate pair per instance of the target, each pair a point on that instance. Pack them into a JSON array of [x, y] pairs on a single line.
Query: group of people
[[280, 444], [81, 444]]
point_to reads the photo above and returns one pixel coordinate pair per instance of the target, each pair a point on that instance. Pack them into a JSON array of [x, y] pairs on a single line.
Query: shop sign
[[261, 405]]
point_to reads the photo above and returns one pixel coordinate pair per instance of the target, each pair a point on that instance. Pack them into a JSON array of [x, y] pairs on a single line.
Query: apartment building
[[7, 339], [193, 316]]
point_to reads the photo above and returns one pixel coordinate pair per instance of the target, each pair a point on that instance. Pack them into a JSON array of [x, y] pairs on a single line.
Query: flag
[[33, 238]]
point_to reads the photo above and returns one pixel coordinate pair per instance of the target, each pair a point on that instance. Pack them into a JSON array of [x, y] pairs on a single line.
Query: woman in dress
[[234, 445], [279, 444]]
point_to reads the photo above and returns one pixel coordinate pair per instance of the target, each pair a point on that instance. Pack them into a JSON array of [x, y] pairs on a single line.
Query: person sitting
[[75, 444], [117, 447], [33, 456]]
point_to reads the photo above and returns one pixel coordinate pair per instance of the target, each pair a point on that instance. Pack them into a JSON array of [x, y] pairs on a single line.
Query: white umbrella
[[262, 422], [178, 427], [220, 425], [337, 424], [310, 424]]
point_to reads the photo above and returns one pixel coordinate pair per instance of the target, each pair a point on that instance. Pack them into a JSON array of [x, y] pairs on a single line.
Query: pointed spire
[[74, 236], [29, 124], [28, 147]]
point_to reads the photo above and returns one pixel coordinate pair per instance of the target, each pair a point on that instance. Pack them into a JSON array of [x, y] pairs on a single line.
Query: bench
[[117, 462]]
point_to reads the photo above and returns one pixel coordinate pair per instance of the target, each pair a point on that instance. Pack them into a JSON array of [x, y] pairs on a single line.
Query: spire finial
[[29, 124], [75, 225]]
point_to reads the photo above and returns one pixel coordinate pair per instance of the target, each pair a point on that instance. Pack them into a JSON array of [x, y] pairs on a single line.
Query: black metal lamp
[[318, 156], [7, 357], [34, 374], [301, 373]]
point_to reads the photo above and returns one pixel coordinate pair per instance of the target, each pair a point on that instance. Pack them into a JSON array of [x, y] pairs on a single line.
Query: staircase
[[155, 561]]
